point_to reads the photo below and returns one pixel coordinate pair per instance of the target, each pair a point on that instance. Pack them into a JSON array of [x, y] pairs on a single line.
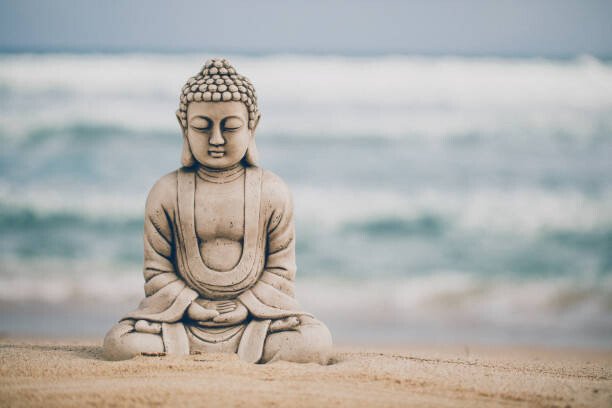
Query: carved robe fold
[[175, 273]]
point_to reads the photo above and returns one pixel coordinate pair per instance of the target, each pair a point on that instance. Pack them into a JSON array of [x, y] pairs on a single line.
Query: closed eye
[[232, 124], [200, 124]]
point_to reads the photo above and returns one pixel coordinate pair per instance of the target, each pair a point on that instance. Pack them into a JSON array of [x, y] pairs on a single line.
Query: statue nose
[[215, 138]]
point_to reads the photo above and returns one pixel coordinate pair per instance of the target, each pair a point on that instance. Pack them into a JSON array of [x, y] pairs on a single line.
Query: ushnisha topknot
[[218, 81]]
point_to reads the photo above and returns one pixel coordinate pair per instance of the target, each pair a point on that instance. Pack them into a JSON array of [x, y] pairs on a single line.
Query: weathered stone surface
[[188, 299]]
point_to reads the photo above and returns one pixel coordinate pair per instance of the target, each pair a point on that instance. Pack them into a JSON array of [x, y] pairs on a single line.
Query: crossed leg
[[123, 342], [310, 342]]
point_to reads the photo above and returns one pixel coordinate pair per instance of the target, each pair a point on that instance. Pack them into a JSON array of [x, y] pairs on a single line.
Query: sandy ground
[[72, 373]]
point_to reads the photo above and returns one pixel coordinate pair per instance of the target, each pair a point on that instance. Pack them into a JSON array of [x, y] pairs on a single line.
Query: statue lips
[[216, 153]]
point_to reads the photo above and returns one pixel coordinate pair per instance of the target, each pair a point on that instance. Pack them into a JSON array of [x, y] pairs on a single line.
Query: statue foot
[[310, 342], [122, 342]]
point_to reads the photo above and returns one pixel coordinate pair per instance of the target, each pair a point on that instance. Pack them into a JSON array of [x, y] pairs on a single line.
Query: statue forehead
[[217, 109]]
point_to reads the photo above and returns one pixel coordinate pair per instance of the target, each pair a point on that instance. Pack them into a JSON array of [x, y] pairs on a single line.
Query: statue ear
[[180, 121], [256, 123], [187, 158], [252, 155]]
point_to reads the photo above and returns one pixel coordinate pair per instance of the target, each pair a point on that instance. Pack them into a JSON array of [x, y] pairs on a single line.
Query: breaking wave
[[438, 194], [301, 96]]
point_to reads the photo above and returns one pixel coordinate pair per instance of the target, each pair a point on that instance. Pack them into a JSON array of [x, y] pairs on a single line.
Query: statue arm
[[272, 297], [280, 266], [167, 295], [158, 244]]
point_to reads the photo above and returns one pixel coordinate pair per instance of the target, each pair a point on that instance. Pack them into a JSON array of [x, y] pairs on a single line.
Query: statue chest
[[219, 223], [220, 233]]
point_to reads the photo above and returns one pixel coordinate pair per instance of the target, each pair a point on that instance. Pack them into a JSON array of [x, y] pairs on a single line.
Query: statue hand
[[235, 313], [200, 313], [221, 306], [288, 323]]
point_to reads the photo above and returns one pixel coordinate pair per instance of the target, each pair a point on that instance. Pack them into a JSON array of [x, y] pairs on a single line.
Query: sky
[[544, 28]]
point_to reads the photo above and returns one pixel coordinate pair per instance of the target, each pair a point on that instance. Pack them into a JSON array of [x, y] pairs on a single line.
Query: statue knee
[[122, 342], [317, 339], [310, 343]]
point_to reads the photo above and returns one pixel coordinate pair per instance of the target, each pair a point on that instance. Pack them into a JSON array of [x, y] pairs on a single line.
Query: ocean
[[438, 199]]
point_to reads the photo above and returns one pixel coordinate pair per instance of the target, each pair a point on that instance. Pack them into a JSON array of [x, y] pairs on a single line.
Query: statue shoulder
[[275, 190], [163, 193]]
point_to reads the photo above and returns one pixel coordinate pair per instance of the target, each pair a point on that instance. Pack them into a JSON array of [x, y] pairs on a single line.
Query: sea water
[[438, 199]]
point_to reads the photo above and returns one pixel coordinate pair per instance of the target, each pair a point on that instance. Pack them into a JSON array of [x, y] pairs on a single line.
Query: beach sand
[[72, 373]]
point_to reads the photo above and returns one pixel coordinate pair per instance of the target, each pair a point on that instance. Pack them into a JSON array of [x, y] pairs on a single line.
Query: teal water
[[436, 198]]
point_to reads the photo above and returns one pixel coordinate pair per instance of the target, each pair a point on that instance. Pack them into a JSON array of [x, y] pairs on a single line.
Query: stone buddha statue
[[219, 243]]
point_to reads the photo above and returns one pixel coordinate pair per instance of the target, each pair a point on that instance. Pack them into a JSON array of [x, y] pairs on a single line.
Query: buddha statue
[[219, 242]]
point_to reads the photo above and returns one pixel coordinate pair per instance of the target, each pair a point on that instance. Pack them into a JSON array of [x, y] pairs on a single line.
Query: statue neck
[[221, 176]]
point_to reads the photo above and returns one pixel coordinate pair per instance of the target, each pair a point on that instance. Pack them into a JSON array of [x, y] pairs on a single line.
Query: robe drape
[[175, 274]]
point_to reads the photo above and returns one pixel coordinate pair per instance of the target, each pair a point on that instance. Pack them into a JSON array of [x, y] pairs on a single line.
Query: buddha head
[[218, 116]]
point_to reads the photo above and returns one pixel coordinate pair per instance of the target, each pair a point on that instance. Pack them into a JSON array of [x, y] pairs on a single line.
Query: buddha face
[[218, 132]]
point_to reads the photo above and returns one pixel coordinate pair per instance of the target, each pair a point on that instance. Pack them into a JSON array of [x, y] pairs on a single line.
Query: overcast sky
[[548, 28]]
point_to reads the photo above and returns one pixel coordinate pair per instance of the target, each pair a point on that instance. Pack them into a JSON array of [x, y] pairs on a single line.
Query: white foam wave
[[65, 280], [453, 297], [520, 211], [445, 296], [390, 96], [92, 203]]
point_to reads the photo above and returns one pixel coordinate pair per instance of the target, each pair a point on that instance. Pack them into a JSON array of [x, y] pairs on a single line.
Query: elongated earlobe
[[252, 155], [182, 123], [187, 158]]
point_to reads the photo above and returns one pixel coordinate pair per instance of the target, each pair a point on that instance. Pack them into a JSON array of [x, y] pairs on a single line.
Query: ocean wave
[[380, 237], [83, 205], [401, 97], [452, 293], [425, 225], [445, 297], [522, 211], [65, 280], [79, 132], [452, 190], [22, 219]]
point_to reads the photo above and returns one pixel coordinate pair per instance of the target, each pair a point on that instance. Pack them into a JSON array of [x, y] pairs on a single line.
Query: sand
[[72, 373]]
